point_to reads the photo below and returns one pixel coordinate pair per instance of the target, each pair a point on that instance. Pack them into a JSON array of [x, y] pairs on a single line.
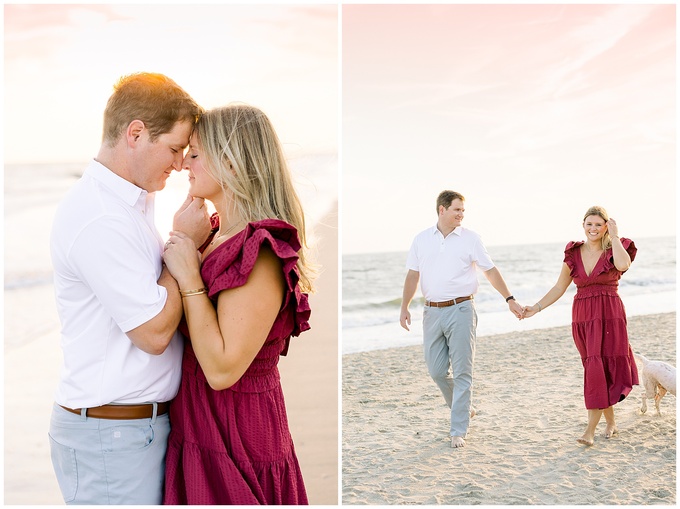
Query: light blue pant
[[106, 461], [449, 336]]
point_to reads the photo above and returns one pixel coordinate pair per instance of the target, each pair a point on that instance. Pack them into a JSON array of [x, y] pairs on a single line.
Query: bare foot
[[589, 441], [611, 431], [457, 442]]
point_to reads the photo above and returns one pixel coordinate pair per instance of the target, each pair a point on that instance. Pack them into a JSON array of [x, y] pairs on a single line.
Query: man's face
[[154, 161], [452, 216]]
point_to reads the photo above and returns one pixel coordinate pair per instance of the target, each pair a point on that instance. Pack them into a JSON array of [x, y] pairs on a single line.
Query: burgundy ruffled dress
[[599, 327], [234, 446]]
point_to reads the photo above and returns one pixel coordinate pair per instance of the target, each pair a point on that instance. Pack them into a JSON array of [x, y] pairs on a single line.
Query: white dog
[[657, 378]]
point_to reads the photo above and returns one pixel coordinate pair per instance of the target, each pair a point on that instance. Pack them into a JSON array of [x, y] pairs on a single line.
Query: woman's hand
[[621, 257], [183, 261], [193, 219], [529, 311], [613, 228]]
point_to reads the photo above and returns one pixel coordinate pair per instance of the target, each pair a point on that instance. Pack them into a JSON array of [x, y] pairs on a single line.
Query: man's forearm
[[174, 302], [410, 287], [155, 335], [496, 279]]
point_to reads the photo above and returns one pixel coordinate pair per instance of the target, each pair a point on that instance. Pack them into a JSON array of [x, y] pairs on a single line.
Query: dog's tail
[[644, 360]]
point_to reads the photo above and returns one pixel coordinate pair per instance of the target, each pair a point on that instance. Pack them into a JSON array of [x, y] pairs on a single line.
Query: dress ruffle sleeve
[[569, 256], [232, 262], [630, 248]]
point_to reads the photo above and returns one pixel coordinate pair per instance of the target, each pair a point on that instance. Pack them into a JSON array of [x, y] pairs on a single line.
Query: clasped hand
[[191, 227], [529, 311], [182, 258], [522, 312], [516, 309]]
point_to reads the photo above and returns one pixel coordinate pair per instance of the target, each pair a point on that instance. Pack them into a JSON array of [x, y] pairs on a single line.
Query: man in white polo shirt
[[444, 259], [119, 306]]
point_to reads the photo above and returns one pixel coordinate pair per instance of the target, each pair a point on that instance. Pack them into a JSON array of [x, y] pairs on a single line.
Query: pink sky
[[531, 111], [61, 62]]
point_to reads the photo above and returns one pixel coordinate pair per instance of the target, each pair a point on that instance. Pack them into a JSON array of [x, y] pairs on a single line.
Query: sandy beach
[[521, 446], [309, 378]]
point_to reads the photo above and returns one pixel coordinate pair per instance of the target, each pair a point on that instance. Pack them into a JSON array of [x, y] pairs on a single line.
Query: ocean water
[[32, 193], [372, 287]]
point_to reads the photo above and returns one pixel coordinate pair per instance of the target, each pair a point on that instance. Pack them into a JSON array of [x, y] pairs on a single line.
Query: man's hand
[[410, 285], [405, 319], [193, 219], [516, 309]]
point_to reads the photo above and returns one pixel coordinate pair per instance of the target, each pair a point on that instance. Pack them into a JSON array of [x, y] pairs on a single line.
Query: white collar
[[458, 230], [124, 189]]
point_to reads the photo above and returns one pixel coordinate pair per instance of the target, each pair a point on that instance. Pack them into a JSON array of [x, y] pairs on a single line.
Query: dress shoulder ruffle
[[569, 251], [230, 264], [606, 266], [630, 248]]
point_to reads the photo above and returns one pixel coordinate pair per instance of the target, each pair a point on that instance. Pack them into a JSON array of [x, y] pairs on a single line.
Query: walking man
[[444, 259]]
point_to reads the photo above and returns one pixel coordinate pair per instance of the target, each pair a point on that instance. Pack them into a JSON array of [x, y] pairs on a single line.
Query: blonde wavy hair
[[244, 155], [596, 210]]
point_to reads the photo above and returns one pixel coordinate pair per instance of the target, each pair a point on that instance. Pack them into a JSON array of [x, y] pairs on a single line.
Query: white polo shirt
[[106, 254], [447, 266]]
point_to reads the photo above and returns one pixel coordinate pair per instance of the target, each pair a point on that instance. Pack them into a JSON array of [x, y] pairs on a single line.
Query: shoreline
[[521, 446], [400, 338]]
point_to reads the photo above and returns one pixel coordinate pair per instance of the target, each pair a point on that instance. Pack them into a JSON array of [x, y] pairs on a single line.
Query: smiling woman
[[599, 324]]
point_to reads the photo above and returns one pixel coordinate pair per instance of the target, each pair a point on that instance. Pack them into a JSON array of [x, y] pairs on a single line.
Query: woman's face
[[201, 183], [594, 227]]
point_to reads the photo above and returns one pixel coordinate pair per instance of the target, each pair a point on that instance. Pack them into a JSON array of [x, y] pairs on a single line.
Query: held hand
[[613, 228], [405, 319], [183, 260], [515, 308], [193, 219], [530, 311]]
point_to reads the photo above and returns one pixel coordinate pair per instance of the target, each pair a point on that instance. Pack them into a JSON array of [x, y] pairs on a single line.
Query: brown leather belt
[[447, 303], [122, 412]]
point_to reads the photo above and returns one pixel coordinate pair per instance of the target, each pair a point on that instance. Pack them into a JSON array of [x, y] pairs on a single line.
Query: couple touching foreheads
[[444, 258], [201, 319]]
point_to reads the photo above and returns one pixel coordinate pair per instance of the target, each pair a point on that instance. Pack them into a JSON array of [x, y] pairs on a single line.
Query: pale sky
[[61, 62], [533, 112]]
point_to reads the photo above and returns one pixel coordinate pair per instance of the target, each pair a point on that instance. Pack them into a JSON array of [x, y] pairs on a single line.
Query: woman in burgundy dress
[[599, 325], [244, 294]]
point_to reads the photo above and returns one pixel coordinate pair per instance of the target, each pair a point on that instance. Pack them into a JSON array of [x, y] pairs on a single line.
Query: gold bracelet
[[189, 293]]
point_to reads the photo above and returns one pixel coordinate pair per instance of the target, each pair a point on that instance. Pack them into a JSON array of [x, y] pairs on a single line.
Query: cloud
[[588, 41]]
